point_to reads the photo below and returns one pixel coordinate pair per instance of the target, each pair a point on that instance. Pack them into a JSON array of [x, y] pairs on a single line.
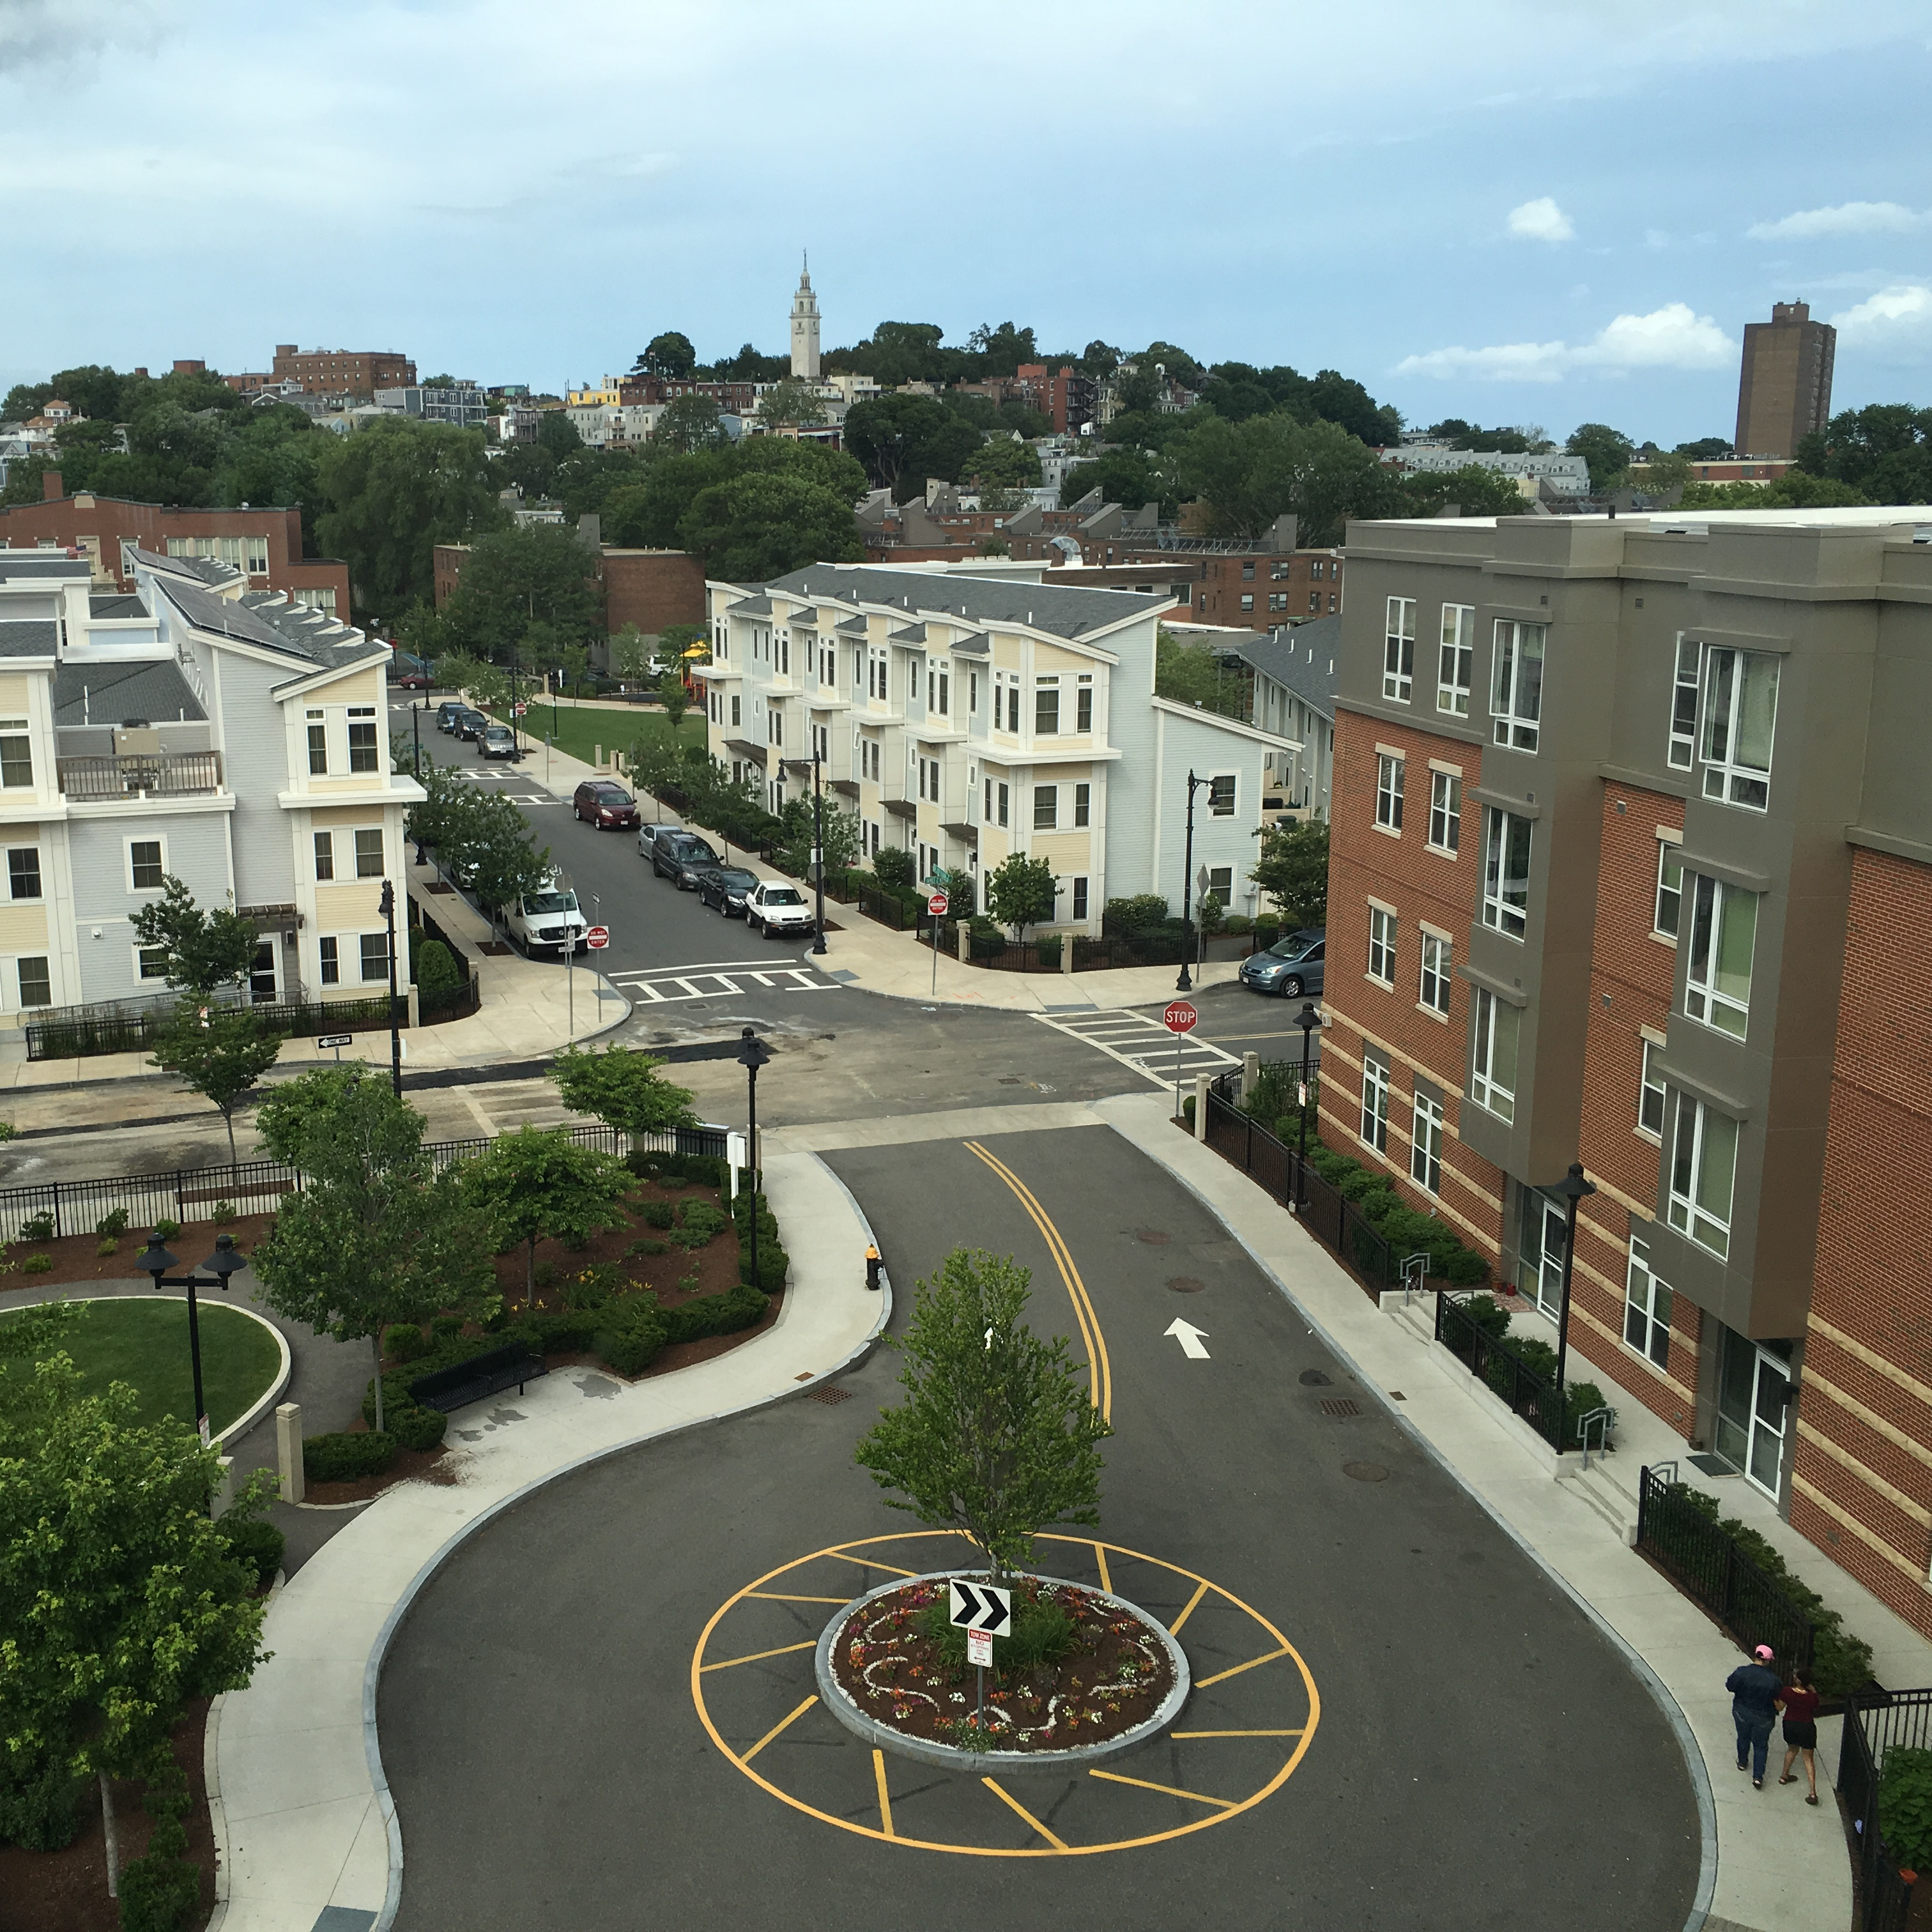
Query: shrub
[[1237, 923], [436, 968], [704, 1217], [167, 1229], [254, 1542], [631, 1334], [707, 1315], [224, 1210], [346, 1458], [567, 1332], [592, 1287], [39, 1811], [446, 1327], [643, 1250], [1905, 1806], [893, 867], [773, 1262], [1267, 930], [1042, 1633], [544, 1274], [112, 1227], [37, 1264], [406, 1342], [159, 1893], [416, 1427], [1187, 1109], [37, 1228], [577, 1243], [658, 1214], [109, 1246], [1489, 1315], [1048, 946], [1144, 912]]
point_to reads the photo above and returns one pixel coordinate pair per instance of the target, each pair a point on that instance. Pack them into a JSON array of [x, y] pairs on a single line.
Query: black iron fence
[[55, 1208], [1706, 1562], [1529, 1392], [1902, 1720]]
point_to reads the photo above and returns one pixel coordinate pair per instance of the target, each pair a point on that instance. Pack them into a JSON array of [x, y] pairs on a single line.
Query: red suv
[[606, 804]]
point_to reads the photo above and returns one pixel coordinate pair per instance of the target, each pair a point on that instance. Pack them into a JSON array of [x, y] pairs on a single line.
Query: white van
[[548, 920]]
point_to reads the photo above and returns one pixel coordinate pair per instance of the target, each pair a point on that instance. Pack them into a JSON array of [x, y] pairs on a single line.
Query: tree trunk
[[113, 1838], [377, 1338], [228, 1121], [529, 1272]]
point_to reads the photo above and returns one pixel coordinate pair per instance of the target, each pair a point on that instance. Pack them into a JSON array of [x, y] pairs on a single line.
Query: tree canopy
[[1883, 451], [791, 402], [623, 1088], [1608, 451], [1292, 869], [668, 356], [204, 951], [903, 440], [514, 579], [538, 1183]]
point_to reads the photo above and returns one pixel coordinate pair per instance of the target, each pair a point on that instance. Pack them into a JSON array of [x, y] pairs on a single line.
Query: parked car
[[647, 834], [498, 741], [605, 803], [726, 887], [470, 724], [779, 911], [1290, 967], [681, 857], [447, 711], [548, 919]]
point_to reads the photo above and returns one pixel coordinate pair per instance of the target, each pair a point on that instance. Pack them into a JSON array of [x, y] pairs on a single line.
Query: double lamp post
[[227, 1259]]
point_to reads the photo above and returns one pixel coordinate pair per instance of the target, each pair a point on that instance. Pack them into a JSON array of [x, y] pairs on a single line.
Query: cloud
[[1895, 325], [1540, 220], [1674, 336], [1849, 217]]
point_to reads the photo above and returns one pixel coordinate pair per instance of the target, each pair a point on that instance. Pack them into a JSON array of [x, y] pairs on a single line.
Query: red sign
[[1179, 1017], [597, 938], [519, 710], [937, 905]]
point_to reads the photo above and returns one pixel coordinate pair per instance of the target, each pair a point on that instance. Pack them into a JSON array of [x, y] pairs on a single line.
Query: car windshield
[[1292, 947], [693, 849], [611, 795], [737, 882], [535, 902], [497, 731], [783, 896]]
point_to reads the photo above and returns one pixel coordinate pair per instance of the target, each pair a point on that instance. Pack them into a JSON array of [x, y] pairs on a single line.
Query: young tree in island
[[1293, 869], [997, 1436], [487, 843], [538, 1183], [220, 1052], [673, 695], [1021, 892], [204, 951], [621, 1086]]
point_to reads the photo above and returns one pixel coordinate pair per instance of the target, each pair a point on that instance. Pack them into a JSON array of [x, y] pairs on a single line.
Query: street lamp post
[[818, 845], [1573, 1188], [1308, 1019], [155, 1261], [753, 1054], [1185, 983], [388, 904]]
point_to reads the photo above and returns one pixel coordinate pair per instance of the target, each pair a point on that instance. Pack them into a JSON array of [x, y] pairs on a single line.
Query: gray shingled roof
[[752, 607], [1060, 612], [978, 645], [29, 637], [113, 604], [291, 629], [1303, 658], [113, 692], [806, 620], [907, 634], [33, 563], [853, 627]]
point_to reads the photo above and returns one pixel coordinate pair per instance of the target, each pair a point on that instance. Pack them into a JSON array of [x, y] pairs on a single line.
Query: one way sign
[[979, 1606]]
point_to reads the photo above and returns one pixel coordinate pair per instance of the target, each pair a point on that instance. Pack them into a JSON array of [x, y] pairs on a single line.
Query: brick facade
[[652, 589], [359, 373]]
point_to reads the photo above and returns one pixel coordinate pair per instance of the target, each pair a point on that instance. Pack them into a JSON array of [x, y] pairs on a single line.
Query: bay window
[[1493, 1074], [1723, 931], [1703, 1167], [1740, 719], [1505, 871], [1515, 688]]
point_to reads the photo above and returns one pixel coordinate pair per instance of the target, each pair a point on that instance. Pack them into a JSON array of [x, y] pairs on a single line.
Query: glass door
[[1541, 1277], [261, 975], [1754, 1394]]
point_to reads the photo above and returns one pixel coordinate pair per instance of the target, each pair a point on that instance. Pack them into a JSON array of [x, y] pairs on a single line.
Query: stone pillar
[[224, 1486], [1251, 1072], [965, 944], [1202, 1081], [289, 1451], [416, 1006], [599, 759], [1067, 953]]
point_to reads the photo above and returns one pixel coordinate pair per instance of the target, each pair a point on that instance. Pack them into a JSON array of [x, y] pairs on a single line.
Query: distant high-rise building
[[805, 329], [1784, 391]]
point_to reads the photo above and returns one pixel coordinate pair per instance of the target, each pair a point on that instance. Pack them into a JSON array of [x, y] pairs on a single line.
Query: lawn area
[[145, 1343], [579, 732]]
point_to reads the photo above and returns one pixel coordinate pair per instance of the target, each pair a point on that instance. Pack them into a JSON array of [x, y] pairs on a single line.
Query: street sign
[[980, 1648], [597, 938], [337, 1040], [1179, 1017], [937, 905], [979, 1606]]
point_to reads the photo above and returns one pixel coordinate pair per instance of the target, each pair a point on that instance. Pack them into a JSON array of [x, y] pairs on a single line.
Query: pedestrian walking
[[1800, 1700], [1755, 1690]]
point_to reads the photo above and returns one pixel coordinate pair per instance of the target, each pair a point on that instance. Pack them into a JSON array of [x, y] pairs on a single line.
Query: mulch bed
[[67, 1891], [1113, 1678], [76, 1257]]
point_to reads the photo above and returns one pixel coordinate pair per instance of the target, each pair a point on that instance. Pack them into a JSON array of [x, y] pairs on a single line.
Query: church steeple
[[804, 326]]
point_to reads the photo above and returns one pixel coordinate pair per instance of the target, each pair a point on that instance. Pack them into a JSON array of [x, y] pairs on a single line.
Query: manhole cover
[[1365, 1472], [1155, 1238], [1314, 1378], [829, 1395], [1186, 1284], [1340, 1405]]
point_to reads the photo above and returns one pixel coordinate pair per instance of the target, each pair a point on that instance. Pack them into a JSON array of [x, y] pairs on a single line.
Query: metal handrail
[[1414, 1271], [1606, 1419]]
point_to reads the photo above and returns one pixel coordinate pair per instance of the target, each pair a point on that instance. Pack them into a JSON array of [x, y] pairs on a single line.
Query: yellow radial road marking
[[1222, 1676], [1168, 1790], [1100, 1378], [782, 1724], [1058, 1844], [864, 1562], [1235, 1734], [1173, 1628], [779, 1597], [783, 1650], [885, 1796], [1100, 1558]]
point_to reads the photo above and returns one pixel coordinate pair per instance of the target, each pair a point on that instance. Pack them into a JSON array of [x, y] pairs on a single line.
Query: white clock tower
[[804, 328]]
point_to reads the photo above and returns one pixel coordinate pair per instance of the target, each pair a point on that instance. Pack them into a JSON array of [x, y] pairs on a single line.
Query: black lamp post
[[753, 1054], [1573, 1187], [389, 903], [1185, 983], [1308, 1019], [154, 1262], [818, 842], [516, 741]]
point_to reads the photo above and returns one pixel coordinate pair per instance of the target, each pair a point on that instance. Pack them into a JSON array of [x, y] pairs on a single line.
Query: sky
[[1503, 210]]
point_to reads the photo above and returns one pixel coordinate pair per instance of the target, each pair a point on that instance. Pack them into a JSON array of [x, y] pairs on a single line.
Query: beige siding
[[23, 929]]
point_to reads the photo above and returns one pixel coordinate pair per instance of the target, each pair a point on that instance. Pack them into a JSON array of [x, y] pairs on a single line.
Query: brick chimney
[[51, 488]]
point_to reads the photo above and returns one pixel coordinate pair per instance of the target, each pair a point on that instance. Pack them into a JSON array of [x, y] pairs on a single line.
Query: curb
[[838, 1701], [210, 1778]]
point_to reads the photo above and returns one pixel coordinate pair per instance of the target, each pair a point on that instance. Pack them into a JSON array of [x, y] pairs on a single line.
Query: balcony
[[141, 775]]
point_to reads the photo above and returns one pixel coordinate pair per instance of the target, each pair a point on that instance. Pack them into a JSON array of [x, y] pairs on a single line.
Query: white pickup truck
[[547, 920]]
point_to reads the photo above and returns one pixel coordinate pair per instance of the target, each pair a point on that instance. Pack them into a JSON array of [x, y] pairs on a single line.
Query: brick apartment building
[[1630, 846], [264, 543], [356, 373], [1784, 381], [652, 589]]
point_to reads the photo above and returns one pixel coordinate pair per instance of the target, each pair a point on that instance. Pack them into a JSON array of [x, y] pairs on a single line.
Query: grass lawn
[[579, 733], [145, 1343]]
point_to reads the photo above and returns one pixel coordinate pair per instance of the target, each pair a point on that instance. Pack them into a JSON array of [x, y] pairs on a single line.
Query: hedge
[[258, 1544], [347, 1457], [773, 1261], [1406, 1231]]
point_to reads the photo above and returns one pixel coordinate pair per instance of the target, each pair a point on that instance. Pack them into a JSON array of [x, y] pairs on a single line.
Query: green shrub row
[[347, 1457], [1406, 1231], [251, 1540], [773, 1261], [161, 1890]]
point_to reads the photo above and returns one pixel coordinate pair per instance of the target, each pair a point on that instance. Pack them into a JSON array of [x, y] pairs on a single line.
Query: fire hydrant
[[873, 1265]]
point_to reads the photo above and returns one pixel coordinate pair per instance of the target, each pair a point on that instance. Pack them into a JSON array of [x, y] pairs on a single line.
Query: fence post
[[966, 943], [289, 1451], [223, 1495], [58, 1230], [1202, 1081], [1067, 955], [416, 1006], [1251, 1072], [1643, 1501]]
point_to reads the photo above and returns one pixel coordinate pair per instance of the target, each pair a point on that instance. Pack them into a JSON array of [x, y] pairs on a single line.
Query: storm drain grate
[[829, 1395], [1340, 1405]]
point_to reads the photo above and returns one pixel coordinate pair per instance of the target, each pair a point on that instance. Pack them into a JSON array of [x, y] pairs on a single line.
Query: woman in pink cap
[[1755, 1692]]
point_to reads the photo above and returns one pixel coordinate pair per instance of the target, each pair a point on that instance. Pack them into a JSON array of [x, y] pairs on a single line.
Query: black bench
[[451, 1389]]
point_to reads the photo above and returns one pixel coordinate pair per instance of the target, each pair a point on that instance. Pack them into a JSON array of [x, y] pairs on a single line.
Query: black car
[[447, 711], [470, 724], [724, 886], [683, 858]]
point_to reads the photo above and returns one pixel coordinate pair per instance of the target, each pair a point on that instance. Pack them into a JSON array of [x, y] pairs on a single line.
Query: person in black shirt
[[1800, 1729], [1755, 1691]]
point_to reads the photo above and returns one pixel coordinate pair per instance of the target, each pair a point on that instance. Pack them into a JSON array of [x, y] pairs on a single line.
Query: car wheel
[[1291, 987]]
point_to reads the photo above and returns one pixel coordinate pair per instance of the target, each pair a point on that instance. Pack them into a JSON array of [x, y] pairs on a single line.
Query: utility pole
[[1186, 983]]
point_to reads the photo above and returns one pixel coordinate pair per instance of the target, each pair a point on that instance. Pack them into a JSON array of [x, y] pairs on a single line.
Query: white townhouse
[[195, 728], [963, 718]]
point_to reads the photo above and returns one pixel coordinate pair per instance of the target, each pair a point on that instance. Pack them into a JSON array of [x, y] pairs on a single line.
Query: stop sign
[[937, 905], [1179, 1017], [597, 938]]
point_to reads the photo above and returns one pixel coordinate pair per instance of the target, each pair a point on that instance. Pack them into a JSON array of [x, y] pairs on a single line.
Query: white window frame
[[1445, 814], [322, 845], [1485, 1082], [1670, 859], [363, 941], [326, 961], [1699, 1130], [1425, 1150], [1502, 910], [1728, 779], [1232, 780], [1686, 691], [22, 1003], [1044, 688], [1724, 1009], [1374, 1133], [1399, 651], [1646, 1307], [1516, 693], [1083, 806], [128, 861], [1390, 775], [1047, 798], [360, 832], [141, 974], [16, 730], [36, 897], [1456, 661], [1433, 982], [1652, 1094], [1384, 928], [363, 714]]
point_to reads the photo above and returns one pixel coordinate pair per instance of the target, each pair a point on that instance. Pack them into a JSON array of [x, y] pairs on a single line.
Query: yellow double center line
[[1100, 1383]]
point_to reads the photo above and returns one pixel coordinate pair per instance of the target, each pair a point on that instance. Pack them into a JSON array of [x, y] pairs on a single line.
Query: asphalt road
[[1481, 1756]]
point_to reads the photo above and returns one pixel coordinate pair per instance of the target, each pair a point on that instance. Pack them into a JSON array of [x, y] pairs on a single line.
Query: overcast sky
[[1507, 210]]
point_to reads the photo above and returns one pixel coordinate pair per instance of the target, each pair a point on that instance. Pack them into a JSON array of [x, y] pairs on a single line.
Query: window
[[325, 855], [1083, 804], [16, 762], [1314, 600], [1445, 811], [362, 738], [1723, 930], [1083, 705], [1277, 600], [1505, 871], [1650, 1098], [973, 693], [1221, 796], [1703, 1166], [1248, 602], [36, 986], [145, 868], [1516, 699], [1381, 945], [912, 677], [318, 745], [1669, 887], [331, 962], [1740, 716], [1425, 1151], [1454, 664], [1388, 792], [1080, 898], [23, 872], [375, 956], [1493, 1075], [369, 852], [1247, 573], [1646, 1307], [1046, 708], [1003, 796], [1013, 706], [944, 704], [1045, 807], [1399, 651], [1435, 962], [737, 709], [1684, 704], [151, 962], [1375, 1103], [1221, 883]]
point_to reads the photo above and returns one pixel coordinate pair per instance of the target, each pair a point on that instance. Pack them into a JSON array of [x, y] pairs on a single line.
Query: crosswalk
[[665, 985], [1140, 1041]]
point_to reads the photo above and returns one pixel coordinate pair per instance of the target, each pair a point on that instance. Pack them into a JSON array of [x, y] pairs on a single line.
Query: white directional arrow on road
[[1190, 1339]]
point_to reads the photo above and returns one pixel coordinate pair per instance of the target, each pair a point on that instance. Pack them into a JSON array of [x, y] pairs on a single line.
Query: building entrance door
[[1544, 1226], [1753, 1396], [261, 975]]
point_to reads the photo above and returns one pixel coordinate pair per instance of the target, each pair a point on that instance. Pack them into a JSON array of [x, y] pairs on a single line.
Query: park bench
[[451, 1389]]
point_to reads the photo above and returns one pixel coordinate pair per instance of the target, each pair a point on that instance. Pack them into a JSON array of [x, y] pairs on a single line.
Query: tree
[[376, 1235], [669, 357], [902, 440], [996, 1436], [792, 401], [755, 527], [1121, 476], [797, 837], [557, 437], [674, 693], [512, 579], [1021, 892], [435, 816], [538, 1183], [205, 951], [219, 1052], [689, 423], [1607, 452], [1474, 490], [1884, 451], [679, 639], [1244, 476], [1705, 449], [1293, 869], [631, 654], [1000, 351], [1795, 490], [621, 1086], [488, 846], [1196, 674], [1002, 462]]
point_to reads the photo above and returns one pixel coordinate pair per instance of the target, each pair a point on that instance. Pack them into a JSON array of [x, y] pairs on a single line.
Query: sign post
[[1180, 1018], [979, 1610], [338, 1041], [936, 905]]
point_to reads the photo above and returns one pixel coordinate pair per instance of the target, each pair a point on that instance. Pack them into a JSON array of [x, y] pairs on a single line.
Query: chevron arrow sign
[[979, 1606]]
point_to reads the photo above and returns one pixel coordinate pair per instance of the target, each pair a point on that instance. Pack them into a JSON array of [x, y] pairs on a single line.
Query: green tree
[[1195, 674], [1475, 491], [677, 639], [557, 437], [1706, 449], [996, 1437], [434, 818], [673, 694], [1002, 462], [1244, 476], [621, 1087], [631, 655], [756, 527], [1293, 870], [1607, 452], [1127, 476], [689, 423], [669, 357], [796, 837], [1000, 351], [792, 402], [1795, 490], [1884, 451], [902, 440], [376, 1235], [488, 847], [205, 950], [218, 1052], [538, 1183], [1021, 892], [514, 578]]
